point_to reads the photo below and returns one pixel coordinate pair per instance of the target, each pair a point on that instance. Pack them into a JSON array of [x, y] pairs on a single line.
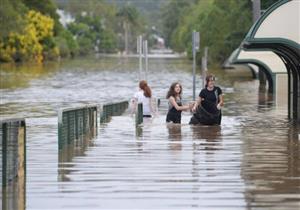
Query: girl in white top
[[143, 96]]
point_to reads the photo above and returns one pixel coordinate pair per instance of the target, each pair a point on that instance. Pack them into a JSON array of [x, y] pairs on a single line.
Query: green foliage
[[32, 42], [86, 45], [222, 26], [11, 12], [29, 29], [171, 14], [128, 14], [91, 34], [108, 42], [62, 45], [132, 24], [46, 7], [72, 44]]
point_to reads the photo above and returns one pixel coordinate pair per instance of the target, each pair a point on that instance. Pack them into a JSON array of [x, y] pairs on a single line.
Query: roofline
[[257, 24]]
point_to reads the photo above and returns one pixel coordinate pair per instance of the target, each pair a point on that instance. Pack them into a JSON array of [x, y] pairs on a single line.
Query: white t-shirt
[[141, 98]]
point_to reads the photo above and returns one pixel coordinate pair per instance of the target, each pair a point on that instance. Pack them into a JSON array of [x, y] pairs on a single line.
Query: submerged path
[[250, 162]]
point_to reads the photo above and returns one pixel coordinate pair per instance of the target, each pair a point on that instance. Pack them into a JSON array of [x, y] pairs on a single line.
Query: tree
[[172, 14], [11, 12], [222, 25], [129, 17], [48, 8], [29, 44]]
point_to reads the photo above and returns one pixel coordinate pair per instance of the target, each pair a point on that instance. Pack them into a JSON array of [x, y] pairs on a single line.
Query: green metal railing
[[158, 102], [76, 124], [139, 114], [112, 109], [13, 151]]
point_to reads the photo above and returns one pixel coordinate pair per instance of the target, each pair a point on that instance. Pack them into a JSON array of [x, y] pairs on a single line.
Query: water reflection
[[70, 151], [208, 133], [270, 164], [14, 195], [265, 99], [175, 136], [19, 76], [143, 133]]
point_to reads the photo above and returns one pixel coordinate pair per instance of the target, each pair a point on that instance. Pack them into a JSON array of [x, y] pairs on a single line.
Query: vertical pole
[[206, 53], [203, 71], [139, 51], [195, 47], [194, 66], [145, 47], [256, 7], [204, 65], [125, 25]]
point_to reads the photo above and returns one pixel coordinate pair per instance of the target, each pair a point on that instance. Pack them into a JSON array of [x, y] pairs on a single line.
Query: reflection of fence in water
[[112, 109], [76, 127], [68, 152], [76, 124], [13, 163]]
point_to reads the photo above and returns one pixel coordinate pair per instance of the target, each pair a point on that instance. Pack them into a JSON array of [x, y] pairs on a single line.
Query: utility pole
[[126, 28], [140, 51], [145, 48], [204, 65], [196, 47], [256, 10]]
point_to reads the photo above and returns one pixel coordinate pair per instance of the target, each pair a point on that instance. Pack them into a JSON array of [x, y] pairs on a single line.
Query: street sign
[[196, 40]]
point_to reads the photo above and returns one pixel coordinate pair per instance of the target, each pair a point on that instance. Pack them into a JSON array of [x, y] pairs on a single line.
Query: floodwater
[[251, 161]]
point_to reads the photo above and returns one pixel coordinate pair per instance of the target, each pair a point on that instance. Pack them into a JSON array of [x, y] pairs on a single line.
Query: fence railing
[[139, 114], [13, 151], [112, 109], [76, 124]]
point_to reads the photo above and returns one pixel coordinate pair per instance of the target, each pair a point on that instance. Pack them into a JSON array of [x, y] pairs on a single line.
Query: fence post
[[139, 114], [13, 146]]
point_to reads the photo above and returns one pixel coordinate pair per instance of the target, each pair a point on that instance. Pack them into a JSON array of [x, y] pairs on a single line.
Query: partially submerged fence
[[76, 124], [13, 152], [139, 114], [112, 109]]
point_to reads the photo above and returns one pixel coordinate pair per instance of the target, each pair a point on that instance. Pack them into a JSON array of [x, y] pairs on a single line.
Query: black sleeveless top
[[211, 99], [174, 115]]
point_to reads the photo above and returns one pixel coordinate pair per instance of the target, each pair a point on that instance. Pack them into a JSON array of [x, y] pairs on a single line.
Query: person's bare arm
[[221, 101], [175, 105], [133, 105], [196, 104]]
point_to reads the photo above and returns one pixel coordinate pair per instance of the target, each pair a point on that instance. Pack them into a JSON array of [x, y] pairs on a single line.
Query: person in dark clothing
[[208, 106], [175, 104]]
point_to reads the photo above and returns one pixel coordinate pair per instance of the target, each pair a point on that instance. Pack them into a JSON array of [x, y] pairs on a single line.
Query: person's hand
[[191, 105], [194, 108], [219, 107]]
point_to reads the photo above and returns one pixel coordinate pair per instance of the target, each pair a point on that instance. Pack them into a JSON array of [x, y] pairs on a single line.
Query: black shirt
[[174, 115], [211, 98]]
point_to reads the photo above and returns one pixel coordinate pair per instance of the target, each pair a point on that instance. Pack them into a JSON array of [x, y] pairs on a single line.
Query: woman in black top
[[175, 104], [211, 101]]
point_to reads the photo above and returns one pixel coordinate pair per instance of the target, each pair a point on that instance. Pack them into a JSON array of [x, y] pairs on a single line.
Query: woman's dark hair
[[144, 86], [172, 92], [208, 78]]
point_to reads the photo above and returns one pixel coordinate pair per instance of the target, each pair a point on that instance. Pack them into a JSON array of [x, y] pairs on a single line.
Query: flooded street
[[251, 161]]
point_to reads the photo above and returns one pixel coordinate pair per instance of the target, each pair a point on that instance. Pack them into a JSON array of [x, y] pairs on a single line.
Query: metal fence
[[13, 151], [76, 124], [139, 114], [112, 109]]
